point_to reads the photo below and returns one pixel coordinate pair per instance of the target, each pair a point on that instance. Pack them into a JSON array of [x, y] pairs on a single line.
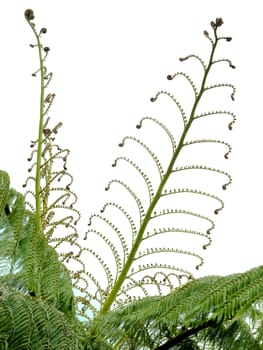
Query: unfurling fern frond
[[158, 239], [51, 199]]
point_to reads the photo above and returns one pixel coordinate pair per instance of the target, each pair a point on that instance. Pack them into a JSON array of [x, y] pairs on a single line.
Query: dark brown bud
[[206, 33], [49, 98], [153, 99], [29, 14], [46, 49], [55, 130], [43, 30], [213, 25], [169, 77], [46, 132], [219, 22], [228, 38]]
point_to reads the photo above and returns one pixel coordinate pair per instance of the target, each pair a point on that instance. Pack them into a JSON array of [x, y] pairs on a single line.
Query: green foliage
[[131, 298], [33, 323], [210, 309], [37, 302], [28, 263]]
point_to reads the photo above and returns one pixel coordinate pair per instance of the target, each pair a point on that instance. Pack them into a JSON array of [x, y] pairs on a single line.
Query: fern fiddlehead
[[135, 258]]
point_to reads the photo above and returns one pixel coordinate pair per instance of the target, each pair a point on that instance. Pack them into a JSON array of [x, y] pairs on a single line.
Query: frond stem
[[184, 335], [40, 132]]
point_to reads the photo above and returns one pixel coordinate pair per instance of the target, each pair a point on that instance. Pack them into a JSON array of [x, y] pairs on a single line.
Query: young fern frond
[[52, 199], [131, 264]]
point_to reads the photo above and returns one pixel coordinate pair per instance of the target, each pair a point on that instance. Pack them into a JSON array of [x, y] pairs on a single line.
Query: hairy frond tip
[[157, 211], [29, 15], [218, 23]]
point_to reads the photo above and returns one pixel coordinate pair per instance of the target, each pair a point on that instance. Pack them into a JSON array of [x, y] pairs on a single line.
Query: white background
[[108, 59]]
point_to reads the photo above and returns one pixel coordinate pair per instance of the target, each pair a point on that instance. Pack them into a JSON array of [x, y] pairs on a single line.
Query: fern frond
[[4, 185], [52, 199], [52, 188], [32, 323], [153, 210], [37, 307], [27, 262], [211, 311]]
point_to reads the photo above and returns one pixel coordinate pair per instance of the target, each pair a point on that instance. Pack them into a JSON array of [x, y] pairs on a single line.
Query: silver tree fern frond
[[51, 199], [37, 307], [212, 312], [128, 259], [31, 323]]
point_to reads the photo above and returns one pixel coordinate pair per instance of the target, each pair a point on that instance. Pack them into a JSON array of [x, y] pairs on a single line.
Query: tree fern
[[129, 284]]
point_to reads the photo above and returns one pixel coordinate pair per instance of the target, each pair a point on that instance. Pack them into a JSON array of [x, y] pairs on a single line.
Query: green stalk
[[45, 199], [40, 133], [111, 297]]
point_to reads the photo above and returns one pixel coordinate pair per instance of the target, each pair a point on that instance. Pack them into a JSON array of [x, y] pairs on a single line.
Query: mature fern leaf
[[37, 308], [32, 323], [27, 262], [211, 310], [130, 245]]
